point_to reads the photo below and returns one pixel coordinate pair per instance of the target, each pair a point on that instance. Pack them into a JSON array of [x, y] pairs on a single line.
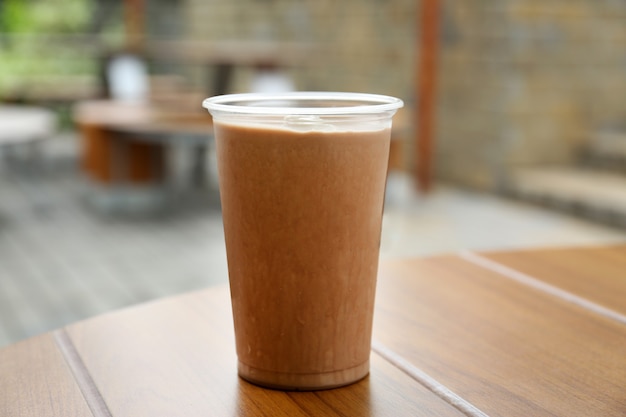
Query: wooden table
[[126, 147], [529, 333], [125, 142]]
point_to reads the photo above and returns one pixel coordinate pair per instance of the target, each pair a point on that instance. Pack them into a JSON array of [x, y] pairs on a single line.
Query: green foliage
[[13, 16], [44, 16], [35, 52]]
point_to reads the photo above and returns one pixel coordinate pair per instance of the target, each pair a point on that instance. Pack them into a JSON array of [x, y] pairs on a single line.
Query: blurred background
[[513, 133]]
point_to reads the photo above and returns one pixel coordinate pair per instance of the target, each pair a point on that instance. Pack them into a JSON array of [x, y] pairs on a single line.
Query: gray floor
[[452, 219], [62, 261]]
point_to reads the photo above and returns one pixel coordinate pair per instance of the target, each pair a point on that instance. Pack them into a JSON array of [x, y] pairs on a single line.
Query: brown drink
[[302, 207]]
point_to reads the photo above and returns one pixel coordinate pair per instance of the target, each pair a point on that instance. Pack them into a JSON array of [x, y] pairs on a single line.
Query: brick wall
[[526, 82], [521, 82], [361, 45]]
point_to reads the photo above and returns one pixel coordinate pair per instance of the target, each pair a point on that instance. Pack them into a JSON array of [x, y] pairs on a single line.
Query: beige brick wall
[[361, 45], [521, 82], [526, 82]]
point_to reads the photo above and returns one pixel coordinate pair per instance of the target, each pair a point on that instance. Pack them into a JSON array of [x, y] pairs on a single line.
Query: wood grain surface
[[597, 274], [36, 381], [176, 357], [447, 330], [508, 349]]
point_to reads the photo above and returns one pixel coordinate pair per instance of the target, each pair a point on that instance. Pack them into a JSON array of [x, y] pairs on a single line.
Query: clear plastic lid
[[303, 103]]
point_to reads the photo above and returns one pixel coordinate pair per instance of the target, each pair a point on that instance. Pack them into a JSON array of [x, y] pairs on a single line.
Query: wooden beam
[[425, 91], [134, 22]]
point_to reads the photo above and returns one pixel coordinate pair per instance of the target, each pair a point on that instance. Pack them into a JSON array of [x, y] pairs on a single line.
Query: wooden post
[[134, 22], [425, 92]]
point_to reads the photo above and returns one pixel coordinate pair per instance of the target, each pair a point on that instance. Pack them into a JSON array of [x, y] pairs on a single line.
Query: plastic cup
[[302, 179]]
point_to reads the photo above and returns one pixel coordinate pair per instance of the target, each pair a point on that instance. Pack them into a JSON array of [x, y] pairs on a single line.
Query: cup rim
[[354, 103]]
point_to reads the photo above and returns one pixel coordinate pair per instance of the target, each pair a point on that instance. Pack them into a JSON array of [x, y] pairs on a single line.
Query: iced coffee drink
[[302, 198]]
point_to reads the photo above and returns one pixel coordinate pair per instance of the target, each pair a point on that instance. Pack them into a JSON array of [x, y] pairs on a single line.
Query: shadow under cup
[[302, 181]]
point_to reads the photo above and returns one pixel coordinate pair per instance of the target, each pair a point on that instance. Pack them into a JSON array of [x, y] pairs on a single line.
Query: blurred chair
[[25, 127], [270, 78], [125, 76], [22, 132]]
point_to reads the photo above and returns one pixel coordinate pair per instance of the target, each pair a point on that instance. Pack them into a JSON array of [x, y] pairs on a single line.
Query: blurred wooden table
[[528, 333], [125, 142]]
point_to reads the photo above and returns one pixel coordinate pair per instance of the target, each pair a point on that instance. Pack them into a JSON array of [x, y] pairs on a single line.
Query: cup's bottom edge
[[303, 382]]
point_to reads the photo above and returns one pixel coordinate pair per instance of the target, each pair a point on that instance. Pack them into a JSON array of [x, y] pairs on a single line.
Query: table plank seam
[[539, 285], [427, 381], [83, 378]]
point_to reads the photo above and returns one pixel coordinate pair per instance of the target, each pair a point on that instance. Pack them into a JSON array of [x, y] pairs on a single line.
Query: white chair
[[127, 78]]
